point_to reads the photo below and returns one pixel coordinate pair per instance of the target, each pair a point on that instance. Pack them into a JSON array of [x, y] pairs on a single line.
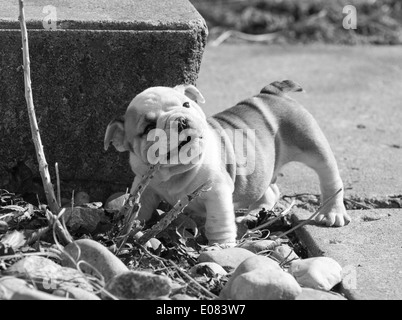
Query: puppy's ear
[[115, 135], [190, 91]]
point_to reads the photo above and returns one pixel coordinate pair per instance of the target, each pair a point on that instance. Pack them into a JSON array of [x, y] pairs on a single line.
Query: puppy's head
[[161, 125]]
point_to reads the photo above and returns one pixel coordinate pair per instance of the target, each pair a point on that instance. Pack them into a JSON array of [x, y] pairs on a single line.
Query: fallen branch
[[43, 166], [173, 213]]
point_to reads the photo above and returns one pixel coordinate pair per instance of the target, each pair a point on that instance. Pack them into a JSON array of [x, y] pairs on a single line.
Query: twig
[[358, 203], [244, 36], [43, 166], [132, 207], [54, 222], [173, 213], [56, 166], [206, 291]]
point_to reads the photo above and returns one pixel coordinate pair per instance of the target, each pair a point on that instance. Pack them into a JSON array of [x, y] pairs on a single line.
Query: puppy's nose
[[182, 123]]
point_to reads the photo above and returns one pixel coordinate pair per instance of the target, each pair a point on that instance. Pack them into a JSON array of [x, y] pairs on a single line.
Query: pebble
[[279, 253], [256, 246], [209, 269], [3, 227], [12, 288], [116, 201], [181, 296], [81, 198], [284, 252], [318, 273], [229, 258], [313, 294], [46, 274], [96, 255], [139, 285], [260, 278], [84, 220], [152, 243], [75, 293]]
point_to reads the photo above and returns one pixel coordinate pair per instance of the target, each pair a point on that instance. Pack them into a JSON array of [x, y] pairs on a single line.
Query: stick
[[173, 213], [62, 232], [56, 167], [43, 166], [132, 206]]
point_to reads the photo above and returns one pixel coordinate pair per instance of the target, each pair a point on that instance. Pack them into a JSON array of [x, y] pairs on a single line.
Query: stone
[[75, 293], [116, 201], [9, 285], [12, 288], [229, 258], [261, 285], [152, 243], [46, 275], [317, 273], [256, 246], [139, 285], [94, 254], [181, 296], [250, 264], [314, 294], [81, 198], [209, 269], [3, 227], [283, 253], [84, 220], [116, 49], [279, 253]]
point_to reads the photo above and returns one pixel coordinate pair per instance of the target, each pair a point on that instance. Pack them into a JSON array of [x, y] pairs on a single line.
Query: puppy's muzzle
[[182, 124]]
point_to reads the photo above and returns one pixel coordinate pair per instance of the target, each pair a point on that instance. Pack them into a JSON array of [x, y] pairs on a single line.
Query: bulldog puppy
[[240, 150]]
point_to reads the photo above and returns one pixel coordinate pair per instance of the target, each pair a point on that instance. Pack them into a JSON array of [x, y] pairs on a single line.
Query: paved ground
[[355, 93], [369, 250]]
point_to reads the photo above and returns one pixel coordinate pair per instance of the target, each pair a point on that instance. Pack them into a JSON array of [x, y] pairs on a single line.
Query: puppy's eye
[[186, 104], [149, 127]]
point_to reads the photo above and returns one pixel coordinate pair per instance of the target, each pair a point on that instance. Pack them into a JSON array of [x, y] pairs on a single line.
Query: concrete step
[[85, 68]]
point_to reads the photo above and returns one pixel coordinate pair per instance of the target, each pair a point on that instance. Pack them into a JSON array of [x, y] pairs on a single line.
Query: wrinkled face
[[163, 125]]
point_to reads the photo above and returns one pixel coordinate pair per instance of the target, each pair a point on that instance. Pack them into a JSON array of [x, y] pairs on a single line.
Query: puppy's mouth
[[190, 137]]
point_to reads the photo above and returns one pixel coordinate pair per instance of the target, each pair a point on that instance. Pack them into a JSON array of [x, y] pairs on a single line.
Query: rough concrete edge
[[195, 23], [107, 25], [314, 250]]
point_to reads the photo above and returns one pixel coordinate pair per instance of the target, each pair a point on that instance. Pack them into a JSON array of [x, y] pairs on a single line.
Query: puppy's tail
[[281, 87]]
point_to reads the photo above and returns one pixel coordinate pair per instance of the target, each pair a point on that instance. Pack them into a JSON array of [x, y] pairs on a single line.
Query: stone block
[[85, 70]]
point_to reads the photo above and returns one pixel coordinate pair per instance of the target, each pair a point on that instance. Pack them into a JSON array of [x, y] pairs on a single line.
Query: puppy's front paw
[[335, 216]]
